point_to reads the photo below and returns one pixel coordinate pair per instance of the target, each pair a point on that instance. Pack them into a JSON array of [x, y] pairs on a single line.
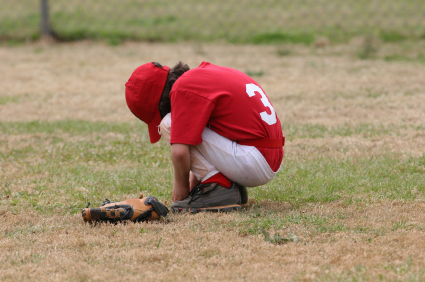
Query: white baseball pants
[[239, 163]]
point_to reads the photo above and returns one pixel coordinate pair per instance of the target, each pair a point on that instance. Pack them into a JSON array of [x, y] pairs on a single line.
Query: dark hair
[[175, 72]]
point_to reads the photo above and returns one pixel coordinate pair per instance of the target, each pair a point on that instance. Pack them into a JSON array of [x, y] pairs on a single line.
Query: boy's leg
[[242, 164], [211, 196], [201, 168]]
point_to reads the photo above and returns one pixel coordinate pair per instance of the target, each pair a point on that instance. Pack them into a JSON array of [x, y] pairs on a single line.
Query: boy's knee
[[165, 128]]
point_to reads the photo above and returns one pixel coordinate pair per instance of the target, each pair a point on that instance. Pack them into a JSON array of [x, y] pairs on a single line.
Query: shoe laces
[[197, 192]]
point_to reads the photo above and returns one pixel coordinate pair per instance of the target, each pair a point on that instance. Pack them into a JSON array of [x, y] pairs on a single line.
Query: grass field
[[351, 186], [248, 21]]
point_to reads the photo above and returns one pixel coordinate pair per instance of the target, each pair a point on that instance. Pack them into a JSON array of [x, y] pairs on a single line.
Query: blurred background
[[242, 21]]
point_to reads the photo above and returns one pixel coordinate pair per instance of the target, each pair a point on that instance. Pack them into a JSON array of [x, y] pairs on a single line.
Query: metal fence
[[241, 21]]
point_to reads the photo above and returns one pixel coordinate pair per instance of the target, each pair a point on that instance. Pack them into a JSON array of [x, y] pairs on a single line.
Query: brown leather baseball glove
[[136, 210]]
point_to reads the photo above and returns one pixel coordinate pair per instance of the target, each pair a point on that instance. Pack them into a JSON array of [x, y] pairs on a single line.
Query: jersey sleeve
[[189, 116]]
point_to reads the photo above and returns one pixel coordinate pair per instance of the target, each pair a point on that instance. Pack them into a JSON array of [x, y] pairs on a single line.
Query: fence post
[[45, 25]]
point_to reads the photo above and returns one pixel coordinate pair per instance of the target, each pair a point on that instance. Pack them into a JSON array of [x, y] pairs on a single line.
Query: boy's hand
[[179, 193]]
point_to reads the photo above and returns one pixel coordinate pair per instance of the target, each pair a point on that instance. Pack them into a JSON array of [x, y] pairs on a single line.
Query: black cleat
[[210, 197], [244, 194]]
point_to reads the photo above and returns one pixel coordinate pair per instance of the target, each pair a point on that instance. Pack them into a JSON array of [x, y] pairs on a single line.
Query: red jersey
[[229, 102]]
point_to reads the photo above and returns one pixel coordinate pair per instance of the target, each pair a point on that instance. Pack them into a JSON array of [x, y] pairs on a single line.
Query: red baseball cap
[[143, 91]]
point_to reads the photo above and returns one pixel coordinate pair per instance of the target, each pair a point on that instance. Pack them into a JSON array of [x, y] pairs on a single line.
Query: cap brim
[[153, 128]]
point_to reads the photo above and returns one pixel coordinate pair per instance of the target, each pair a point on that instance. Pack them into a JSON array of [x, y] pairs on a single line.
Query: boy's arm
[[180, 156]]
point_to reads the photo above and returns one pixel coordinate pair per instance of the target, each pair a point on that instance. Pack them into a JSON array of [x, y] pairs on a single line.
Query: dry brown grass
[[86, 81], [207, 247], [330, 86], [410, 143]]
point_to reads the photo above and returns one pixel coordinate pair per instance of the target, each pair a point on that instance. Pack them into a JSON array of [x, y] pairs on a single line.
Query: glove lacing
[[116, 207]]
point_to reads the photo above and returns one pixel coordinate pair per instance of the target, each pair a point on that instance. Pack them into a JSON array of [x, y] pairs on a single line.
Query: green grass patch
[[19, 29], [283, 37], [259, 22], [78, 127], [99, 165], [326, 179], [392, 36], [254, 73], [302, 131], [419, 58], [4, 99], [292, 131]]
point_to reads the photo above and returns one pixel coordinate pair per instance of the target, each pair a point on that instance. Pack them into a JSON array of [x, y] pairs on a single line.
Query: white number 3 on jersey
[[269, 119]]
